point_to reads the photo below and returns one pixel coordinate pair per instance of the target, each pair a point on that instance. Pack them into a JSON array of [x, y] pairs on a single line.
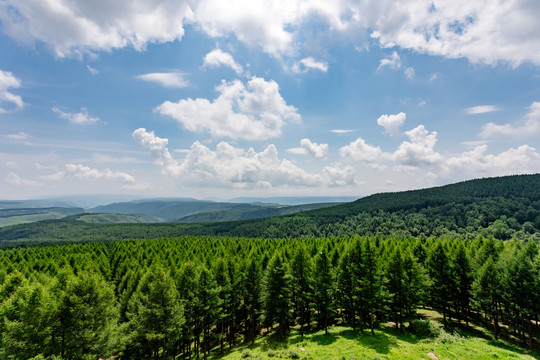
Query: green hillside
[[504, 207], [93, 218], [20, 215]]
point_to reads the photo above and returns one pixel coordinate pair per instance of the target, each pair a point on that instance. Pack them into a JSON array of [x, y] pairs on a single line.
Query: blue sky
[[254, 98]]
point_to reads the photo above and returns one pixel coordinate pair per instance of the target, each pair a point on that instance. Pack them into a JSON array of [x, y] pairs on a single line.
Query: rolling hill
[[503, 207]]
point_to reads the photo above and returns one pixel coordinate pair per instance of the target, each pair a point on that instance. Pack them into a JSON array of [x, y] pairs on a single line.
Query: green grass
[[387, 343]]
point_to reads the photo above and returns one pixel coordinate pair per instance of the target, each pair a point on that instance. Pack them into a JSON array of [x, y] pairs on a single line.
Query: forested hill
[[503, 207], [524, 188]]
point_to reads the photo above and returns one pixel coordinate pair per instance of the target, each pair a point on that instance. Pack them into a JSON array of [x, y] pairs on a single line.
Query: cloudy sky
[[212, 98]]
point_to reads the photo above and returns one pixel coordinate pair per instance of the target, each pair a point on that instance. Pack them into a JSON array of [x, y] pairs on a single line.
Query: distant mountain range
[[503, 207], [153, 210]]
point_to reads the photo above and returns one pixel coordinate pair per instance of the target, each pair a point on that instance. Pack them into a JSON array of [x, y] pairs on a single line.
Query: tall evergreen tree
[[252, 297], [463, 278], [440, 272], [276, 295], [323, 291], [209, 308], [371, 282], [487, 293], [85, 318], [301, 287], [155, 316], [396, 282]]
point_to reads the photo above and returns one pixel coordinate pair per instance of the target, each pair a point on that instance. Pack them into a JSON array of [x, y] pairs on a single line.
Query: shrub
[[293, 354], [423, 327], [246, 353]]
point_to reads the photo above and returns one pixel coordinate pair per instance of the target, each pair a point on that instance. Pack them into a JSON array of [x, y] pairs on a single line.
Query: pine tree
[[225, 317], [155, 316], [396, 281], [345, 291], [209, 308], [463, 273], [301, 287], [26, 330], [85, 318], [486, 289], [252, 297], [276, 295], [439, 269], [371, 282], [322, 291]]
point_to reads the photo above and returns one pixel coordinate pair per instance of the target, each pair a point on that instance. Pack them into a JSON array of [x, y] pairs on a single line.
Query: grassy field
[[387, 343]]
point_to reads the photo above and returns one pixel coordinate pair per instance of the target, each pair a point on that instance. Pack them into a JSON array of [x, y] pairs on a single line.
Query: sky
[[218, 99]]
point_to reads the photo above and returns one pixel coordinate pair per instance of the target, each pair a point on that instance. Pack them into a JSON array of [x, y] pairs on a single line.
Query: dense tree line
[[504, 208], [192, 296]]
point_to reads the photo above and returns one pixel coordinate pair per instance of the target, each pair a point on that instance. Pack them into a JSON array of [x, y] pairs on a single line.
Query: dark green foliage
[[192, 296], [323, 291], [276, 295], [155, 316], [504, 207]]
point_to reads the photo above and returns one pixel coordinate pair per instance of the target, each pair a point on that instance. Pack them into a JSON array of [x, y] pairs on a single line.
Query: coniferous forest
[[190, 297], [356, 266]]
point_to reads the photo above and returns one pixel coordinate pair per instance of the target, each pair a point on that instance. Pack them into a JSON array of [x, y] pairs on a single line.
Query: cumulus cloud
[[360, 151], [307, 147], [483, 31], [392, 123], [229, 166], [255, 111], [85, 172], [419, 150], [218, 57], [418, 156], [168, 79], [392, 62], [14, 179], [80, 118], [72, 28], [7, 82], [309, 63], [521, 160], [482, 109], [529, 127]]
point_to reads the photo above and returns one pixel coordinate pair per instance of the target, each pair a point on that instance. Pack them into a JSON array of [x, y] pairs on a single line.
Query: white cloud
[[228, 166], [410, 73], [530, 127], [342, 131], [393, 62], [521, 160], [158, 149], [14, 179], [9, 81], [19, 136], [483, 31], [369, 155], [169, 79], [92, 70], [253, 112], [75, 27], [85, 172], [482, 109], [419, 150], [81, 118], [392, 123], [218, 57], [310, 148], [309, 63]]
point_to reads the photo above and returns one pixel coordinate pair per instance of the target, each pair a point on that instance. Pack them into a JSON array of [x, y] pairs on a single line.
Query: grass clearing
[[343, 343]]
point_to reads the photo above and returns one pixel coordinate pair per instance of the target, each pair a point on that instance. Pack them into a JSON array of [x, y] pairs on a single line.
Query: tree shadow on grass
[[380, 342]]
